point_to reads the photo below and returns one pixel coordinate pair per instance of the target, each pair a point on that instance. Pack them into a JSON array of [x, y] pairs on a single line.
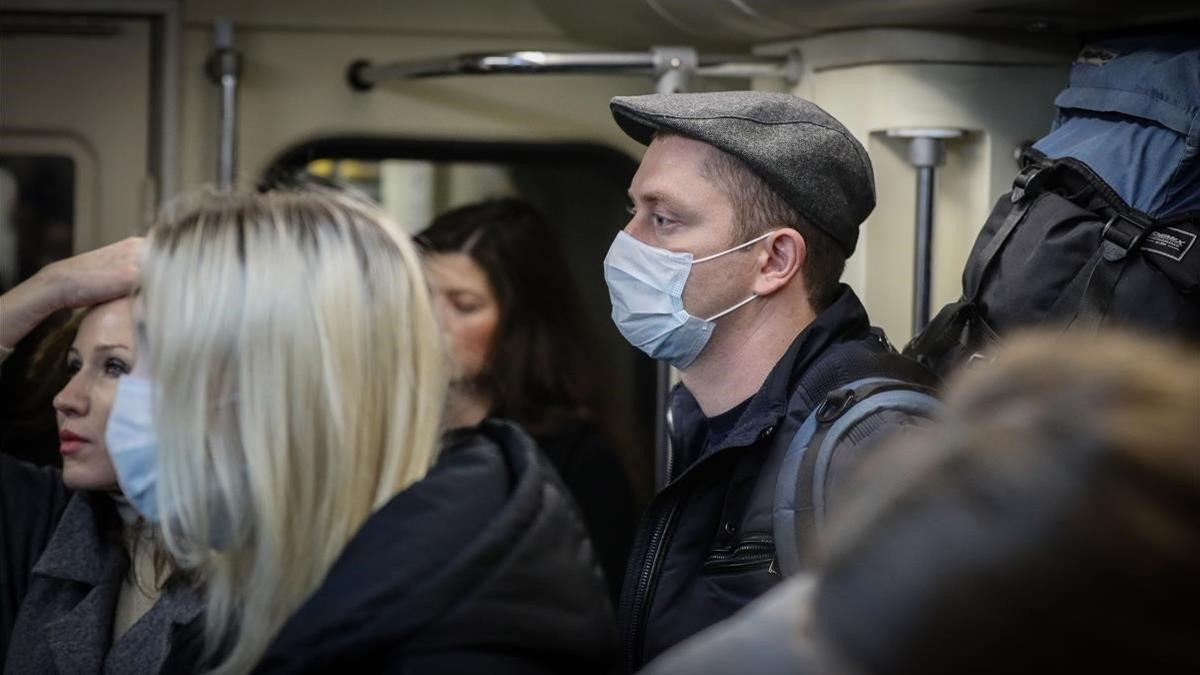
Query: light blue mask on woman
[[645, 285], [133, 444]]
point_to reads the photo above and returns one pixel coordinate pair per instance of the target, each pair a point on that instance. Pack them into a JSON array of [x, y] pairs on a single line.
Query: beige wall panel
[[94, 91], [1000, 93]]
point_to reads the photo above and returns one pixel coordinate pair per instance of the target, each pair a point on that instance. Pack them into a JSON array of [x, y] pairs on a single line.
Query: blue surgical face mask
[[646, 287], [133, 444]]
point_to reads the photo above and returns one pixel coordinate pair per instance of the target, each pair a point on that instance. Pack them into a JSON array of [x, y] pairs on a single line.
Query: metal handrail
[[364, 75]]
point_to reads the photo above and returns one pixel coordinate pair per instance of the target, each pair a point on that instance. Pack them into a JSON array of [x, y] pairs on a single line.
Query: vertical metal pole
[[227, 152], [923, 256], [224, 69], [925, 153], [673, 68]]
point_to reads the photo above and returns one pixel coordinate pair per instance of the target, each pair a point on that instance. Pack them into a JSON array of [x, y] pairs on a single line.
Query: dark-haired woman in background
[[522, 351]]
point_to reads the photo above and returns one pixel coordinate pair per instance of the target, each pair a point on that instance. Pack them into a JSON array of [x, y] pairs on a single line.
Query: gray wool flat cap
[[801, 151]]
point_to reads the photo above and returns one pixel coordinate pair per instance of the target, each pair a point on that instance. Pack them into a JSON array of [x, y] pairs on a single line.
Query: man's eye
[[661, 221], [631, 209]]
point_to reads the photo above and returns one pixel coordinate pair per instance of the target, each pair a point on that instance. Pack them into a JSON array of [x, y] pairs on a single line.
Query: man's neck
[[739, 357]]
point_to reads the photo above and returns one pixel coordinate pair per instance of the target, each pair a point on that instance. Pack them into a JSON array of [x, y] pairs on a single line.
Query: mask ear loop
[[735, 248], [741, 304]]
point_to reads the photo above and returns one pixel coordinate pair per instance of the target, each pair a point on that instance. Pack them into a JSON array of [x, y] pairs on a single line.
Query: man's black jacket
[[705, 547]]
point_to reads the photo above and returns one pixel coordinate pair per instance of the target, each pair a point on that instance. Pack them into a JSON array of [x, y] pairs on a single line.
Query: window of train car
[[38, 213], [36, 221], [581, 190]]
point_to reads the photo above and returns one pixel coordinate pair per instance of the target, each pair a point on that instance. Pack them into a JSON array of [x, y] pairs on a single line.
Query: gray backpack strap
[[788, 505], [798, 511]]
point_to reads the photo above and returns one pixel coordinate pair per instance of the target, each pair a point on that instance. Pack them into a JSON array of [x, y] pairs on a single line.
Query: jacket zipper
[[748, 554], [645, 584]]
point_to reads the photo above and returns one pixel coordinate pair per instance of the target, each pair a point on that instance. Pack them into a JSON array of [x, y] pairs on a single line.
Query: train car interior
[[112, 110]]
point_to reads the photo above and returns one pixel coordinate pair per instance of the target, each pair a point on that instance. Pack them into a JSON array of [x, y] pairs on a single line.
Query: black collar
[[844, 320]]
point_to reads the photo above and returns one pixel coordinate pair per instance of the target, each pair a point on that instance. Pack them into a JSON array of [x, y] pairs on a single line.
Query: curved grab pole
[[364, 75]]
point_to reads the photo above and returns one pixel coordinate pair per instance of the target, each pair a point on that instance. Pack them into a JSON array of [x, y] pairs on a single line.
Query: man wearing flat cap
[[744, 210]]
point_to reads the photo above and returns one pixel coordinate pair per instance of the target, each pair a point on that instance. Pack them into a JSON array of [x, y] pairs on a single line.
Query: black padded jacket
[[705, 547], [483, 566]]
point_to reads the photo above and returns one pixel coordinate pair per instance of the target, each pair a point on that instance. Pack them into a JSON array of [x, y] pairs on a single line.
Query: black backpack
[[1063, 249]]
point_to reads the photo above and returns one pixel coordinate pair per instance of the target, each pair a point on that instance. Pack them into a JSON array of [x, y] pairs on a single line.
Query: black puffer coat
[[481, 567]]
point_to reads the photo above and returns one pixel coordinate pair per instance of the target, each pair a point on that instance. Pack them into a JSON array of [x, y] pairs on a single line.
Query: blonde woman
[[84, 583], [283, 426]]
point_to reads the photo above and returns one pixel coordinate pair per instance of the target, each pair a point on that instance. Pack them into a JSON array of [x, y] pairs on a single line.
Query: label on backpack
[[1171, 242]]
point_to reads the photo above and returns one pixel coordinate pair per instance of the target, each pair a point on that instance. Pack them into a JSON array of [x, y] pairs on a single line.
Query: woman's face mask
[[134, 447], [133, 444], [645, 285]]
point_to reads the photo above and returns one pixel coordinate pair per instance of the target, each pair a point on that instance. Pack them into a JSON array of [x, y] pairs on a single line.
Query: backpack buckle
[[1123, 233], [1029, 180], [835, 404]]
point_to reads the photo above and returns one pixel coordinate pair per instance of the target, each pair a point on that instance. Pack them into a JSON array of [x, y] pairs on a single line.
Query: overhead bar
[[364, 75]]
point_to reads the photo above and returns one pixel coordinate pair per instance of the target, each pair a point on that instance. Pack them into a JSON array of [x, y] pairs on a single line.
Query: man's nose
[[637, 229]]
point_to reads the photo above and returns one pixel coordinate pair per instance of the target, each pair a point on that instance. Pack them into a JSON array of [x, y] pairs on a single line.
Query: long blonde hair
[[300, 385]]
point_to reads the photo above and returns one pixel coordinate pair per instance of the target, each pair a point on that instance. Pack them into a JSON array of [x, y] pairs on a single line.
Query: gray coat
[[65, 621], [770, 636]]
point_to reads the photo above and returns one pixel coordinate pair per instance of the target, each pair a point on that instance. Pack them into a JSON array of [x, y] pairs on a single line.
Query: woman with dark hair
[[1050, 524], [521, 350]]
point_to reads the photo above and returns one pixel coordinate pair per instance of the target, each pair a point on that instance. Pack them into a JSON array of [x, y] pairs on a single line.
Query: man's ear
[[785, 253]]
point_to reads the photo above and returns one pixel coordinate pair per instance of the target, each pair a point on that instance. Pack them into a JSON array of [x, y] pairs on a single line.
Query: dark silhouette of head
[[1054, 527]]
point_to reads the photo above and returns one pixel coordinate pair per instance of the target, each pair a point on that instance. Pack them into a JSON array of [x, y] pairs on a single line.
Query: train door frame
[[644, 373], [165, 18]]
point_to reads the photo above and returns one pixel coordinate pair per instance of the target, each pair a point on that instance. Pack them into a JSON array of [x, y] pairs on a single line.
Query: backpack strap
[[1026, 187], [960, 331], [1121, 235], [798, 511]]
